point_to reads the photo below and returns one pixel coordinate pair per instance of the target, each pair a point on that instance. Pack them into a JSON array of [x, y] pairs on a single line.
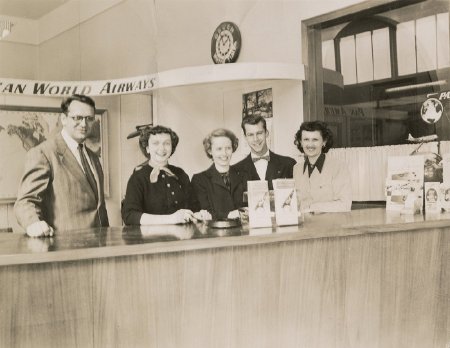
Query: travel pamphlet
[[404, 184], [286, 209], [432, 198], [258, 204]]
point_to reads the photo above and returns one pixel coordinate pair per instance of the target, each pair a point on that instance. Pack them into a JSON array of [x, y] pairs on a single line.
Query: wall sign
[[129, 85], [226, 43]]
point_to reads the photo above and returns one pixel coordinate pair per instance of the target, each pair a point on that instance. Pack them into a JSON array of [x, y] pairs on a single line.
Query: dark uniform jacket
[[279, 167], [214, 196], [163, 197]]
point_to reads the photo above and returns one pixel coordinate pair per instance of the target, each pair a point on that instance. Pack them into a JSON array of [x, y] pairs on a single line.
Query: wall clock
[[226, 43]]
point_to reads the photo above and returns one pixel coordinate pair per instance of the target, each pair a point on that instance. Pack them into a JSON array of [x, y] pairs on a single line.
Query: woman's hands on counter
[[234, 214], [202, 215], [182, 216]]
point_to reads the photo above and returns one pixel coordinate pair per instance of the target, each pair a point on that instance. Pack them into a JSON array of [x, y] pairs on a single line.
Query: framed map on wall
[[22, 128]]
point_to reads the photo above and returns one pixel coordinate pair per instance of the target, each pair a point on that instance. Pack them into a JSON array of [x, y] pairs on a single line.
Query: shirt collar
[[319, 163], [71, 143]]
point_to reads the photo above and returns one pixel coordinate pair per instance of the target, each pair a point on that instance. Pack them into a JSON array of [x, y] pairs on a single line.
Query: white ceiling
[[31, 9]]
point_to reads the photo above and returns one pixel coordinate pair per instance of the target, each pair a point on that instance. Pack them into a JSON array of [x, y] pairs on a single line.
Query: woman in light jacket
[[323, 183]]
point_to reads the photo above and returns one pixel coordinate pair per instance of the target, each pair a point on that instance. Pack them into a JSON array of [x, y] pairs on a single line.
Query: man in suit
[[62, 185], [261, 163]]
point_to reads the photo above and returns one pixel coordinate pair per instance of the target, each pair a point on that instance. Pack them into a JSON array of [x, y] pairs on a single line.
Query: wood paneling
[[48, 305], [366, 290]]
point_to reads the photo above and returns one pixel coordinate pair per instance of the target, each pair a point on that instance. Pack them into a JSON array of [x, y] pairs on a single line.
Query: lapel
[[216, 178], [235, 179], [70, 163], [252, 169], [273, 167]]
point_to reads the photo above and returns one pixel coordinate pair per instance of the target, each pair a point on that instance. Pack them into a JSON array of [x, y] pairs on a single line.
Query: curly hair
[[143, 138], [312, 126], [220, 132]]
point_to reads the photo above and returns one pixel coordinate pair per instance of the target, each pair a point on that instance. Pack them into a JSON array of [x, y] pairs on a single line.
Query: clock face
[[226, 43]]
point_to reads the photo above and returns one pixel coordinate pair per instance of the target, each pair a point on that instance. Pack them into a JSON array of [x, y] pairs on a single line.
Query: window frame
[[313, 105]]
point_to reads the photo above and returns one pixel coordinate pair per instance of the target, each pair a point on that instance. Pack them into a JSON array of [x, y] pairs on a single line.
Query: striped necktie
[[87, 171]]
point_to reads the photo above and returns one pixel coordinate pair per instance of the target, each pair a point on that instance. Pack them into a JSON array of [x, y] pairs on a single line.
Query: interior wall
[[96, 49], [119, 42], [18, 60], [271, 32], [7, 217], [270, 29], [192, 112], [135, 109], [136, 37], [195, 111], [116, 43]]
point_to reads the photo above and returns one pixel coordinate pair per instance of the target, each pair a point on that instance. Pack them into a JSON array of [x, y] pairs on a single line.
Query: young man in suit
[[261, 163], [62, 185]]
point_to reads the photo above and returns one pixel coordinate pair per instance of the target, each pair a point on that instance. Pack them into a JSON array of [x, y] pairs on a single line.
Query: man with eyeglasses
[[62, 185], [261, 163]]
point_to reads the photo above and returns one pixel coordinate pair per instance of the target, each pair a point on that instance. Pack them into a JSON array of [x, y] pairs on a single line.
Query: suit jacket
[[165, 196], [213, 195], [279, 167], [55, 189]]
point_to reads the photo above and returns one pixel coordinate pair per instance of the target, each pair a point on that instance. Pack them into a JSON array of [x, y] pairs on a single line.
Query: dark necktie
[[256, 159], [87, 170], [226, 180], [311, 168]]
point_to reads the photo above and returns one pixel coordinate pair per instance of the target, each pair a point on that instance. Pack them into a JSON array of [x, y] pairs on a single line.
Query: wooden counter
[[359, 279]]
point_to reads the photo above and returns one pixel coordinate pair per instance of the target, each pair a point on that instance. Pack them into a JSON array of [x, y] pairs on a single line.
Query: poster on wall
[[22, 128], [259, 103]]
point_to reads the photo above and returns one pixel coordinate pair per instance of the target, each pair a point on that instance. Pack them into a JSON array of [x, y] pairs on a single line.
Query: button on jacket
[[163, 197]]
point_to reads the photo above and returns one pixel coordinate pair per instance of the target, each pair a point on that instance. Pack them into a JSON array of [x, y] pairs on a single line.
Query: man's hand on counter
[[40, 229]]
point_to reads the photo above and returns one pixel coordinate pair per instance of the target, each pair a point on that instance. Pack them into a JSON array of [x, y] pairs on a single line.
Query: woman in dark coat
[[157, 192], [219, 189]]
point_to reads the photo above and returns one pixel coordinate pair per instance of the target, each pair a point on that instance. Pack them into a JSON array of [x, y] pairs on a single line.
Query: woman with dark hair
[[323, 184], [157, 192], [219, 189]]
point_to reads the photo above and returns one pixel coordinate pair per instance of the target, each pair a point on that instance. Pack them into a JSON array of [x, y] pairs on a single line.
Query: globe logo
[[431, 110]]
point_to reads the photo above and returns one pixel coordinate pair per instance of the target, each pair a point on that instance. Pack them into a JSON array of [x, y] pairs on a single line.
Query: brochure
[[286, 209], [404, 184], [432, 198], [445, 197], [409, 168], [258, 204], [404, 196]]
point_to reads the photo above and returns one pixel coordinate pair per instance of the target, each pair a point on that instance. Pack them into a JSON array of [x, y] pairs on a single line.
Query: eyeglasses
[[79, 119]]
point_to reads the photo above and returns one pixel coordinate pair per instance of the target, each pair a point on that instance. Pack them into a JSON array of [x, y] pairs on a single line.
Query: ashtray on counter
[[223, 223]]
